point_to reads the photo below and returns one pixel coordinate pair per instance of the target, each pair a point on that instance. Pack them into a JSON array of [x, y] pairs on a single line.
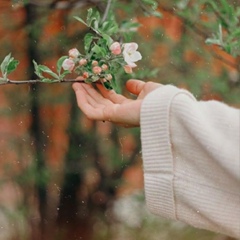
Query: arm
[[190, 151], [191, 160]]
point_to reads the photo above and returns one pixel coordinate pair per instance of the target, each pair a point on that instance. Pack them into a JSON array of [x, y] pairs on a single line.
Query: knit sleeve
[[191, 156]]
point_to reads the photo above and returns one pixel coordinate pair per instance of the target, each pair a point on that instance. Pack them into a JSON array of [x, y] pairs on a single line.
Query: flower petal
[[136, 56], [127, 59], [130, 47]]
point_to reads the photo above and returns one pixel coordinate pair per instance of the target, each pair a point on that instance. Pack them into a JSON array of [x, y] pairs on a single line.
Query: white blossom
[[130, 54]]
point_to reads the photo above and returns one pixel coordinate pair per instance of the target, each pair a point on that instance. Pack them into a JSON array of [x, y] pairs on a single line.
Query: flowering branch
[[101, 60], [38, 81], [103, 56]]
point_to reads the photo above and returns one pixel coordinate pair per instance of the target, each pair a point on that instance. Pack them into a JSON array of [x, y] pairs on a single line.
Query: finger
[[111, 95], [81, 95], [92, 92], [122, 114], [87, 104], [135, 86], [77, 86], [94, 97], [81, 79]]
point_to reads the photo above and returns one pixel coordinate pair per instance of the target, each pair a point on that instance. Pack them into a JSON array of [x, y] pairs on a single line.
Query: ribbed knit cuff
[[156, 151]]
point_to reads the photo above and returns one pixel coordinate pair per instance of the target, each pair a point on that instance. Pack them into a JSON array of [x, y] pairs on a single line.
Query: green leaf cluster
[[97, 43], [41, 71], [150, 7], [8, 65], [102, 27], [228, 20], [223, 26], [104, 30]]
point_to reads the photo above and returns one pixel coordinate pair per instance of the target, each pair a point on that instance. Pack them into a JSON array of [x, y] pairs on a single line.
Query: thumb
[[135, 86]]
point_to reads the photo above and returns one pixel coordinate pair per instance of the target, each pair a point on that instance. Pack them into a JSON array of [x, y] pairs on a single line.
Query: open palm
[[107, 105]]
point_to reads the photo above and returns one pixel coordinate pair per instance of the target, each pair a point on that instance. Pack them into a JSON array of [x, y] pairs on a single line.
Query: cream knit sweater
[[191, 155]]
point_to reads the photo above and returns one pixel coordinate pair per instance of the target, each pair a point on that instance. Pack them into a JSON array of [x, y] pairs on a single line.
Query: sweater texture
[[191, 158]]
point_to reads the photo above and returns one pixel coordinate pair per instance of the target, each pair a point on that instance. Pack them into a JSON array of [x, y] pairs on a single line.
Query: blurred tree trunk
[[73, 218], [35, 129]]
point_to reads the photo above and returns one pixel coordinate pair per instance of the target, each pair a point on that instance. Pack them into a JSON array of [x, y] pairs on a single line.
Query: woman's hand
[[107, 105]]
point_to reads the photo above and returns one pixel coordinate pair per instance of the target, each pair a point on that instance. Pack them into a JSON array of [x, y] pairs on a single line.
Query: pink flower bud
[[97, 70], [115, 48], [94, 63], [128, 69], [108, 77], [68, 64], [104, 67], [85, 75], [73, 53], [82, 62]]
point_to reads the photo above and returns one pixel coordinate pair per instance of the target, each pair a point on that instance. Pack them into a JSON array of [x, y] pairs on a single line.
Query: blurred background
[[63, 176]]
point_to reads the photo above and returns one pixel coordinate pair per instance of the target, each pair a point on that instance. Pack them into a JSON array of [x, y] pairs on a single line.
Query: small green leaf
[[213, 41], [152, 4], [182, 4], [93, 18], [89, 16], [48, 80], [65, 72], [12, 65], [59, 63], [94, 78], [37, 70], [101, 52], [81, 20], [156, 14], [47, 70], [226, 7], [87, 41], [236, 33], [128, 26], [107, 85], [108, 39], [5, 63], [109, 27]]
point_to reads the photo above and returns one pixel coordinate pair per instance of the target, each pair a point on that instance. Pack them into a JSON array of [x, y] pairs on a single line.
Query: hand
[[107, 105]]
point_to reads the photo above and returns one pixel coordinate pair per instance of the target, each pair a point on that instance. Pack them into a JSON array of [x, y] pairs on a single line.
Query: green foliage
[[8, 65], [41, 70], [104, 30], [59, 67], [150, 7], [228, 19], [97, 46], [97, 52], [223, 27]]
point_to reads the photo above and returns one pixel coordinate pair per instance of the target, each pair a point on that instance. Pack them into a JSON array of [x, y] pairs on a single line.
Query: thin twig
[[219, 15], [143, 7], [106, 11], [39, 81], [63, 4]]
